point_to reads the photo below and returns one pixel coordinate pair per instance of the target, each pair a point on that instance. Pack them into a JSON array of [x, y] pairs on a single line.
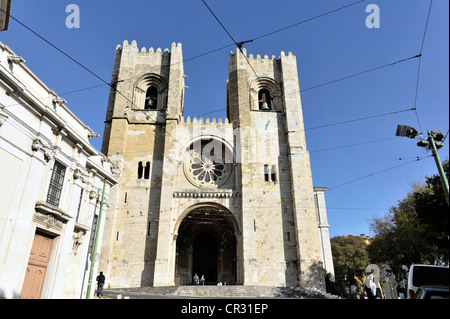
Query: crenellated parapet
[[133, 46], [207, 121]]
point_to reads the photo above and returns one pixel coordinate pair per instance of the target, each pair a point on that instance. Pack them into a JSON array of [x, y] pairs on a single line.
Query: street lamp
[[434, 142], [406, 131]]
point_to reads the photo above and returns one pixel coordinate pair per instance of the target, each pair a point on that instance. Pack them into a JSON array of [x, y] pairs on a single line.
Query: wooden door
[[37, 267]]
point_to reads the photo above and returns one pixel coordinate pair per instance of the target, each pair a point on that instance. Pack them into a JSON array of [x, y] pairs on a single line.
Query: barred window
[[56, 184]]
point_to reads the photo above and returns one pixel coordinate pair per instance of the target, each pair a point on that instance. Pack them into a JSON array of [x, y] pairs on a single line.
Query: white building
[[51, 185], [5, 7], [324, 230]]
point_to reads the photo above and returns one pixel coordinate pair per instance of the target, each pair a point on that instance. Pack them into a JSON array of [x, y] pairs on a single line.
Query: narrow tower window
[[140, 170], [273, 173], [151, 98], [147, 170], [266, 173]]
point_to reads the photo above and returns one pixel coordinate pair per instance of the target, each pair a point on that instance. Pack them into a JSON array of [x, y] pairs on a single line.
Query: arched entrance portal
[[206, 245]]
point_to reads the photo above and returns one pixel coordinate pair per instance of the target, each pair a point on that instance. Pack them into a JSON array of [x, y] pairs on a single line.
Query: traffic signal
[[437, 135], [423, 143]]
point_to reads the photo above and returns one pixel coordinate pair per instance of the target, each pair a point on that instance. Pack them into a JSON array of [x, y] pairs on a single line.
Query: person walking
[[100, 283], [196, 280], [379, 294], [370, 288]]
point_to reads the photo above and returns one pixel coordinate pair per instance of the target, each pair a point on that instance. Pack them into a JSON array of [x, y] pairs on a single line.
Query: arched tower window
[[265, 95], [264, 100], [150, 93], [151, 98]]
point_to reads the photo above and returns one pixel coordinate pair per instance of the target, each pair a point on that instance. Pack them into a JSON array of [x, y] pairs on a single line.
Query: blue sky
[[328, 48]]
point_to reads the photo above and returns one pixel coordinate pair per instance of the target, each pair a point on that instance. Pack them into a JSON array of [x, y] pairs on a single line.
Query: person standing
[[100, 284], [203, 280]]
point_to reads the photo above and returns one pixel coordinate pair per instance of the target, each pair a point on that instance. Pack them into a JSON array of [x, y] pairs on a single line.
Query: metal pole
[[444, 180], [94, 250]]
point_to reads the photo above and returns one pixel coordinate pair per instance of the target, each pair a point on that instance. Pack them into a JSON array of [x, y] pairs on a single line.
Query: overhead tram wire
[[351, 145], [419, 65], [193, 57], [307, 20], [367, 162], [88, 70], [65, 54], [239, 45], [339, 79], [378, 172], [363, 72], [358, 119]]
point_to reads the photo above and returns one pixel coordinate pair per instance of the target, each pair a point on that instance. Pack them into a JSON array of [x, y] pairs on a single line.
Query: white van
[[426, 275]]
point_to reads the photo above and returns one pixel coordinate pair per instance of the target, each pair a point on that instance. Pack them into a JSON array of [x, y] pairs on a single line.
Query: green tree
[[350, 259], [433, 211], [399, 237], [415, 230]]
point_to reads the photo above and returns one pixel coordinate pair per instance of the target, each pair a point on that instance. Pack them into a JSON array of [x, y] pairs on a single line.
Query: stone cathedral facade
[[231, 199]]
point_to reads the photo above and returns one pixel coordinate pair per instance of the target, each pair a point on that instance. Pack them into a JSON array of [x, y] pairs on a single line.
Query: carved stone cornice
[[50, 216], [196, 193]]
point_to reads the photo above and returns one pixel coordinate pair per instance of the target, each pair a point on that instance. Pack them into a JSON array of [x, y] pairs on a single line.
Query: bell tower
[[142, 115], [278, 208], [149, 89]]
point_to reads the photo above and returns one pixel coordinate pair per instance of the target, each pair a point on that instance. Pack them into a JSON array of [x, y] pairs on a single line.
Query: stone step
[[226, 291], [223, 292]]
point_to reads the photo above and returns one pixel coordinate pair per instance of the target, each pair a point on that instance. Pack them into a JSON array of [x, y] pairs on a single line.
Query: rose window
[[207, 167], [206, 170]]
